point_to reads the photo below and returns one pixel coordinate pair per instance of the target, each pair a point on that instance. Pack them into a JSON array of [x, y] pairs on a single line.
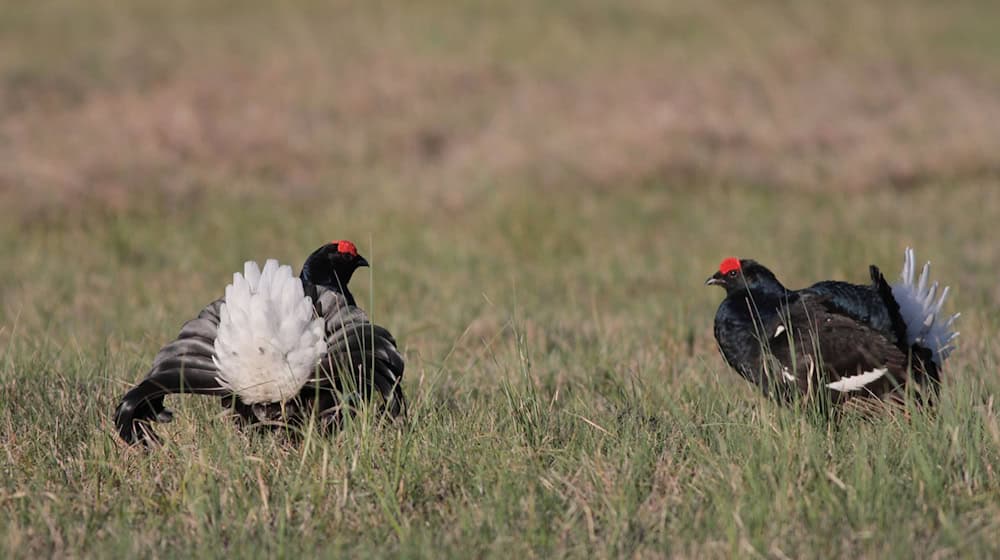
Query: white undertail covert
[[269, 340], [856, 382], [920, 305]]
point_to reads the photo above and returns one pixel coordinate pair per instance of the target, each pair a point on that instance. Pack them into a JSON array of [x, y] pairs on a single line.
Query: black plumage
[[361, 360], [844, 340]]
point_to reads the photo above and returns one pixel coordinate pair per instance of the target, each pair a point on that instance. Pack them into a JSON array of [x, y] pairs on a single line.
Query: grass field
[[542, 189]]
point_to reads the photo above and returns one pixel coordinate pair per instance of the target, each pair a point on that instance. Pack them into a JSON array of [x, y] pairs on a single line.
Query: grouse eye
[[732, 274]]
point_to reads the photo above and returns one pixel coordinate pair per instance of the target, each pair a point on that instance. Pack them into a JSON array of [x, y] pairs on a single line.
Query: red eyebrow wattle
[[345, 247], [729, 265]]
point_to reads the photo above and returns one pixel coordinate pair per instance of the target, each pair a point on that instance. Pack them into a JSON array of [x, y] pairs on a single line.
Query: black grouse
[[853, 342], [276, 349]]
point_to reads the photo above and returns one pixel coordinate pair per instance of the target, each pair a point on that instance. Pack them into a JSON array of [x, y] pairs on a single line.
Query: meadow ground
[[542, 189]]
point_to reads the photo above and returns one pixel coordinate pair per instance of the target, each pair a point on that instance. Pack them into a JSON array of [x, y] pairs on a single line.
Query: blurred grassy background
[[542, 188]]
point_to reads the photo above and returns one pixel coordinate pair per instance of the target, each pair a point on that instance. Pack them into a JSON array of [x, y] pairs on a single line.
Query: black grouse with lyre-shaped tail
[[276, 349], [851, 341]]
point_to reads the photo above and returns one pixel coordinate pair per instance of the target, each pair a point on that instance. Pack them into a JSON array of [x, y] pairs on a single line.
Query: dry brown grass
[[816, 105]]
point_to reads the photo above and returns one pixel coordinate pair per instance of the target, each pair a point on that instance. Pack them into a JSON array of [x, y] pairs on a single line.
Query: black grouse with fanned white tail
[[853, 342], [277, 349]]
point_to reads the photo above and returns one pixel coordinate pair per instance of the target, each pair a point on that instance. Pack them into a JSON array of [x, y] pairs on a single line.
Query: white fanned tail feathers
[[920, 305], [269, 339]]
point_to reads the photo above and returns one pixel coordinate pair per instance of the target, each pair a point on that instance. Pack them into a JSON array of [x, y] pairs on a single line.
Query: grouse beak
[[361, 261], [715, 280]]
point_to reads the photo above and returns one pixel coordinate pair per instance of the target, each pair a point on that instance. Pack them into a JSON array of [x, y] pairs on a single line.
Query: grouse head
[[738, 275], [332, 265]]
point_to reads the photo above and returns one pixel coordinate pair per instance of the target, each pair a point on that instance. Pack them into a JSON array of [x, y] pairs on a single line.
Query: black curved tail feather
[[144, 403], [922, 365]]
